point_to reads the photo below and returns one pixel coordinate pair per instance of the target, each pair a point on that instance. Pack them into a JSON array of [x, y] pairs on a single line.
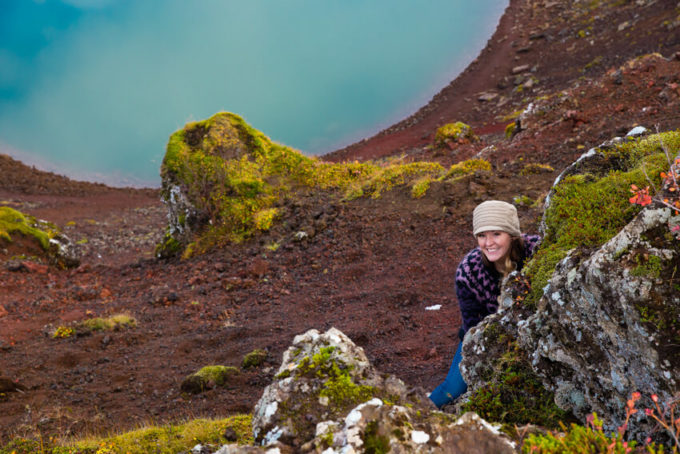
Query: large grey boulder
[[607, 326]]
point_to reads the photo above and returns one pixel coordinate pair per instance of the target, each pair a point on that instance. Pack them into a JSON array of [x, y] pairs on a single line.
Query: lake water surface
[[93, 88]]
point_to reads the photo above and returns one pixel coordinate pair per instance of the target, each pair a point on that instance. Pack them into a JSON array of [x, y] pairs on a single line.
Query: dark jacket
[[478, 286]]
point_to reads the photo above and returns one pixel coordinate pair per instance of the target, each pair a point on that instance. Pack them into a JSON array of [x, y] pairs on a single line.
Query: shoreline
[[415, 130]]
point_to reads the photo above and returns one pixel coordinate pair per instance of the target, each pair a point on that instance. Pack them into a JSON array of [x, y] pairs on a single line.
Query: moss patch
[[338, 386], [13, 222], [513, 394], [591, 205], [254, 358], [454, 132], [207, 378]]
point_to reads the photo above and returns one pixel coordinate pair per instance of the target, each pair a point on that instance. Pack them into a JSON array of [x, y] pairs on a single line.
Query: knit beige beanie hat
[[495, 215]]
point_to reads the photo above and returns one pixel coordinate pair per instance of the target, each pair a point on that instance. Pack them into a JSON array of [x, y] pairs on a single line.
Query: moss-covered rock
[[208, 377], [327, 397], [457, 132], [39, 237], [254, 358]]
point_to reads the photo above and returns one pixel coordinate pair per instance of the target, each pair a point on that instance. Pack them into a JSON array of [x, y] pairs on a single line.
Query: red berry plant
[[669, 195]]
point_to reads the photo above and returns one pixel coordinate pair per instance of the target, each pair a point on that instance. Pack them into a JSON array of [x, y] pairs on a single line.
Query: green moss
[[535, 168], [649, 267], [164, 439], [522, 200], [217, 374], [115, 322], [63, 332], [338, 386], [235, 176], [168, 247], [374, 442], [466, 168], [589, 208], [452, 132], [265, 218], [176, 438], [14, 222], [510, 130], [254, 358], [420, 187], [394, 175], [513, 393]]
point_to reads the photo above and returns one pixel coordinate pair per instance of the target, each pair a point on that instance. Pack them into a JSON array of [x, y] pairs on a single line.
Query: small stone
[[488, 96], [230, 434], [520, 69], [14, 265]]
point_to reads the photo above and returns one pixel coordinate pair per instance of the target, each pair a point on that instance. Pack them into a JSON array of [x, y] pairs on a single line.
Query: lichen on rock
[[328, 398]]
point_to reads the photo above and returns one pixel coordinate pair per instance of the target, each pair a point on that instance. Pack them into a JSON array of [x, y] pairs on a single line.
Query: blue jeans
[[454, 385]]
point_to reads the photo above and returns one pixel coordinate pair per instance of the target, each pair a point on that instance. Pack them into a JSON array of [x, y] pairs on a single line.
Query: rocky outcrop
[[328, 398], [193, 167], [608, 321], [608, 325]]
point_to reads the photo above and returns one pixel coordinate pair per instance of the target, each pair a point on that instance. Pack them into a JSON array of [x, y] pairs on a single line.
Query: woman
[[501, 249]]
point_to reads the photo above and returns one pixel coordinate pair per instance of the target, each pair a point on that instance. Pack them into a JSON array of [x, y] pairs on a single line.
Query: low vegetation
[[88, 326], [165, 439]]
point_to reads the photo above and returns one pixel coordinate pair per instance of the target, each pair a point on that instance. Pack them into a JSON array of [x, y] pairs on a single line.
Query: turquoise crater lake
[[93, 88]]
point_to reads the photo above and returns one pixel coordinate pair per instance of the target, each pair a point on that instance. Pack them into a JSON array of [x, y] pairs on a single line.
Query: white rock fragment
[[419, 437], [436, 307]]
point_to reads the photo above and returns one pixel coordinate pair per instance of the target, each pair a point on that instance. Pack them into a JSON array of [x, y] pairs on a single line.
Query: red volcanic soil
[[371, 267]]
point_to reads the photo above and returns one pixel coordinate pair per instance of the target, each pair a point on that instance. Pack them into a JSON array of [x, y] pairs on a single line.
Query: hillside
[[367, 266]]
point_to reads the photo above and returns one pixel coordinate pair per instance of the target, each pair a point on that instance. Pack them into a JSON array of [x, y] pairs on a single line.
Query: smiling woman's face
[[495, 244]]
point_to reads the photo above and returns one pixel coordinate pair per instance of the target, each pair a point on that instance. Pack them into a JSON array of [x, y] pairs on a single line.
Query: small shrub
[[265, 218], [208, 378], [14, 222], [63, 332]]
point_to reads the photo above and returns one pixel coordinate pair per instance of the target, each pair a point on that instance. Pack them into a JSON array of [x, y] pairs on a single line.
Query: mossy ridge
[[513, 393], [588, 209], [238, 185], [164, 439], [13, 222]]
